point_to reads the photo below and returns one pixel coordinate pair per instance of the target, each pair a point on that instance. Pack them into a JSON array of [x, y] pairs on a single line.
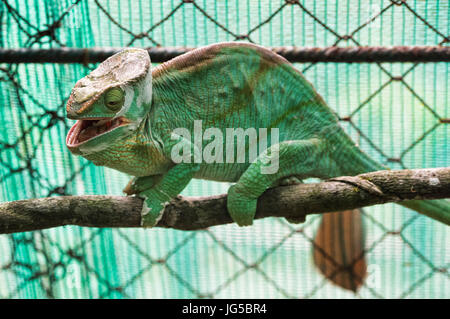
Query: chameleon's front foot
[[152, 208], [154, 201], [241, 208]]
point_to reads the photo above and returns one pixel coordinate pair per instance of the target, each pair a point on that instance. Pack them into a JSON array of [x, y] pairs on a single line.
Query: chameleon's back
[[237, 85]]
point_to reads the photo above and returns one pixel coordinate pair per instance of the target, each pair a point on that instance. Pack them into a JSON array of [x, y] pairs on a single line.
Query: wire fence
[[398, 113]]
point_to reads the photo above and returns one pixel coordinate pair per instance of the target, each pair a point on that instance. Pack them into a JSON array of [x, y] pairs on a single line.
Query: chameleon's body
[[228, 85]]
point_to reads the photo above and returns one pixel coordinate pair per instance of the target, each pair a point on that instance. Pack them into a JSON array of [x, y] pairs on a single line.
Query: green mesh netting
[[394, 111]]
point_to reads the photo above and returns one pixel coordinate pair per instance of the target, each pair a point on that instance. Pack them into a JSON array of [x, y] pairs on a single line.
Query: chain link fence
[[397, 112]]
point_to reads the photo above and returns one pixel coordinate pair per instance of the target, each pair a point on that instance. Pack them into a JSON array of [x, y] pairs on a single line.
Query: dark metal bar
[[293, 54]]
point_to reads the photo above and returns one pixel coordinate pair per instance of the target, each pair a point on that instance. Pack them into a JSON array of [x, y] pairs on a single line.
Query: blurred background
[[397, 112]]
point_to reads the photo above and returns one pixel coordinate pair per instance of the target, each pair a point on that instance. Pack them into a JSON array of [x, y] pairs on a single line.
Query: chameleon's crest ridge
[[121, 69]]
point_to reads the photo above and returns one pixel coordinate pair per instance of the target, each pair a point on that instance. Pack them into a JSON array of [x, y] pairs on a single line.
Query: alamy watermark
[[227, 147]]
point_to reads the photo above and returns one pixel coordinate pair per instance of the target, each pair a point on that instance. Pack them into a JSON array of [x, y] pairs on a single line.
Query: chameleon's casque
[[110, 102]]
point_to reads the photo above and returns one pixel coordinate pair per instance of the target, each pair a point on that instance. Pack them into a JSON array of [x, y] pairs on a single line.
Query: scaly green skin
[[227, 85]]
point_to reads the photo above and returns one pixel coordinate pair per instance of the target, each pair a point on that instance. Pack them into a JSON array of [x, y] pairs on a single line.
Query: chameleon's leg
[[304, 158], [169, 185]]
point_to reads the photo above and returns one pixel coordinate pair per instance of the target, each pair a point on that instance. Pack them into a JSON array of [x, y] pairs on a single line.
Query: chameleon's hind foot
[[241, 208]]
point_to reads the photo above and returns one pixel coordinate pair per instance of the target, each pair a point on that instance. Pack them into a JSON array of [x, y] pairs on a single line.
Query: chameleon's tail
[[438, 209], [339, 241], [339, 249], [357, 162]]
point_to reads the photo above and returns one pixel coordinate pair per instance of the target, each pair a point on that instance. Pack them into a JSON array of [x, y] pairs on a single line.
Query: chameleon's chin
[[89, 132]]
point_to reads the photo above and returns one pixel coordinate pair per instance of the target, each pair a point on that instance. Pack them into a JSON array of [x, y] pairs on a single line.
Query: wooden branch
[[191, 213]]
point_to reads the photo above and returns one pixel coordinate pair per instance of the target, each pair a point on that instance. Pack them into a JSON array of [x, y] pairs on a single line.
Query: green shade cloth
[[394, 112]]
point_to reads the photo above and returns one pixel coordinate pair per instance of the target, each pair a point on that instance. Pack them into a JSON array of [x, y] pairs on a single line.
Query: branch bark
[[192, 213]]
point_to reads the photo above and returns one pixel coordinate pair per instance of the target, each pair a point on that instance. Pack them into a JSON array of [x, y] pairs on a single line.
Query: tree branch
[[191, 213]]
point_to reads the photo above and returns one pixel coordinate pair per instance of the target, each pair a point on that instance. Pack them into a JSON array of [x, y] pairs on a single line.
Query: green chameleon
[[131, 119]]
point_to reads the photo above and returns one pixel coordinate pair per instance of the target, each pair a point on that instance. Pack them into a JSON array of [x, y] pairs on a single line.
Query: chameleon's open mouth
[[86, 129]]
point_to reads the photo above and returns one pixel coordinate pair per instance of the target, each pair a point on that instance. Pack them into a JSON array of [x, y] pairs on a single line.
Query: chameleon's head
[[110, 102]]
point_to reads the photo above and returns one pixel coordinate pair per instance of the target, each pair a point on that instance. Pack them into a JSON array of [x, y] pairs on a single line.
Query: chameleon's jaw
[[88, 129]]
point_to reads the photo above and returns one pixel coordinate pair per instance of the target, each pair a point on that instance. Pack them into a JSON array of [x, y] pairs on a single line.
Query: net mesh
[[398, 113]]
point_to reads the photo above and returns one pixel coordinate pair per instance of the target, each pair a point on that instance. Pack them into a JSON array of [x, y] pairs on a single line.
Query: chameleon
[[129, 117]]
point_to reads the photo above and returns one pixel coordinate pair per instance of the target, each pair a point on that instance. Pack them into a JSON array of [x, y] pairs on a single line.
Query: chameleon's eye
[[114, 98]]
